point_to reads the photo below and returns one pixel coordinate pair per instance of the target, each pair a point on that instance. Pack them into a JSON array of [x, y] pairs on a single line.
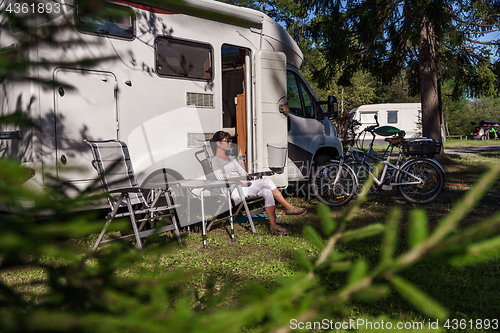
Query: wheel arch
[[323, 153]]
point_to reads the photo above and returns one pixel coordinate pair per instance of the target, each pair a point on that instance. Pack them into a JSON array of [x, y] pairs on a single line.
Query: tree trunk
[[431, 118]]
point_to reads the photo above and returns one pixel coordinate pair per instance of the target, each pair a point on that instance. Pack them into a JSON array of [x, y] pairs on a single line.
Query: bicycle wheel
[[428, 174], [330, 192], [362, 171]]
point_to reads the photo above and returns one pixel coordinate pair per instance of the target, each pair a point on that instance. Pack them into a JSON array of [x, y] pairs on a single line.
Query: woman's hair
[[220, 135]]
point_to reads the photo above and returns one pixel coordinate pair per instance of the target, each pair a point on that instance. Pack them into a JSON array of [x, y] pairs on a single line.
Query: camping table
[[205, 185]]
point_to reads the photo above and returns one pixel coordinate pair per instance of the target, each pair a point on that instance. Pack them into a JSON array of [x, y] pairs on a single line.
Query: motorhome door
[[270, 125], [84, 110]]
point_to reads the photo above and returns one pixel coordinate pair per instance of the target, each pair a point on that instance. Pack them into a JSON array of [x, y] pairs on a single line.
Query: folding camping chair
[[245, 202], [117, 177]]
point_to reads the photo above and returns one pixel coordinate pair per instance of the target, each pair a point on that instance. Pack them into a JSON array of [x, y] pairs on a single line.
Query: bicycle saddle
[[395, 141]]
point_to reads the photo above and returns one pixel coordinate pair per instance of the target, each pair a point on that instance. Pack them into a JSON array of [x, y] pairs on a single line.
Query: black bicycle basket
[[421, 146]]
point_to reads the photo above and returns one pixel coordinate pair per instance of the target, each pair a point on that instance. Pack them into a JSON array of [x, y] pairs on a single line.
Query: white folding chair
[[118, 180], [245, 202]]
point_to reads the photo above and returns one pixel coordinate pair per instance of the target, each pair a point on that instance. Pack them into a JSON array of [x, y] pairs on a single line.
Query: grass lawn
[[450, 143], [457, 143], [468, 293]]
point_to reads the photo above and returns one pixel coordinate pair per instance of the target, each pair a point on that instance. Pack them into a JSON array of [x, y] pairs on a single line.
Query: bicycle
[[419, 179]]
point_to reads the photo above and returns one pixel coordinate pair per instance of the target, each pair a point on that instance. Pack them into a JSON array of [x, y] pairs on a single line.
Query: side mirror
[[333, 107], [284, 109], [332, 110]]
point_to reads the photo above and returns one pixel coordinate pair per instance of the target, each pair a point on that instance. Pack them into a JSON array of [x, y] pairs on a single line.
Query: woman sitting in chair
[[226, 167]]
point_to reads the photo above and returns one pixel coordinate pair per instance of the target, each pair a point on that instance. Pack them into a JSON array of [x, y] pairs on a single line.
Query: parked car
[[486, 130]]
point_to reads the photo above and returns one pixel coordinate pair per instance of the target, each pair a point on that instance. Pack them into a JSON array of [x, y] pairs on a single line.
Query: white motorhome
[[175, 74], [405, 116]]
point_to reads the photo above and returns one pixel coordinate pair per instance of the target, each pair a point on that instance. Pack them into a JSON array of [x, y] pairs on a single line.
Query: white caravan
[[404, 116], [176, 74]]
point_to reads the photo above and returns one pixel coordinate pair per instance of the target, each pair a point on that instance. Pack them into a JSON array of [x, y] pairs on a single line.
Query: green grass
[[469, 293], [457, 143], [450, 143]]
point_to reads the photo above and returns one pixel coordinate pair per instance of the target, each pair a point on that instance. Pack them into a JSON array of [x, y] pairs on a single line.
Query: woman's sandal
[[276, 230], [302, 211]]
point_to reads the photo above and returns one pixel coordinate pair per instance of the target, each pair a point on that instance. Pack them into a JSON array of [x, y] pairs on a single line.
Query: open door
[[270, 131], [234, 96]]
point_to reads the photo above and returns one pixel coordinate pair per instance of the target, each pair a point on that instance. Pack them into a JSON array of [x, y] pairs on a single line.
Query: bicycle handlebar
[[353, 122], [370, 128]]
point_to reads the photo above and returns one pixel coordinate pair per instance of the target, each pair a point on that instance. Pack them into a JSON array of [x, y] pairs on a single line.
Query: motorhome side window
[[112, 20], [183, 59], [300, 99], [392, 117], [367, 117]]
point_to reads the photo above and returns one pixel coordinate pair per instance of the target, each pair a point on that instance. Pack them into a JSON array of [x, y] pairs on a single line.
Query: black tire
[[318, 162], [429, 188], [323, 187]]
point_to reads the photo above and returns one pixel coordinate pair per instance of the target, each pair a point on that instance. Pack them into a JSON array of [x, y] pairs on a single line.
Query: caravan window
[[112, 20], [183, 59], [392, 117], [367, 117]]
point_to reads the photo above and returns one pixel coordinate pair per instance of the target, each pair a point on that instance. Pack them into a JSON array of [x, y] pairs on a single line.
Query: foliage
[[382, 37]]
